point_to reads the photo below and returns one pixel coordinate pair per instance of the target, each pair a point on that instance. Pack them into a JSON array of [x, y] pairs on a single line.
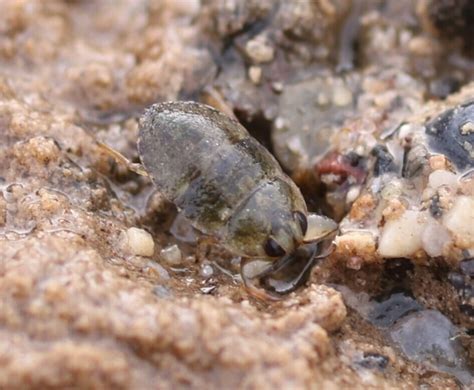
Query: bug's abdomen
[[176, 146], [201, 160], [232, 176]]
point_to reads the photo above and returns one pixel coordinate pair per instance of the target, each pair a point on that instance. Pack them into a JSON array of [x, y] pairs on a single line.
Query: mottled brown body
[[221, 178]]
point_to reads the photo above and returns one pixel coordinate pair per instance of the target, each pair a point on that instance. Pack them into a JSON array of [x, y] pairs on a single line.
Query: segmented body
[[220, 177]]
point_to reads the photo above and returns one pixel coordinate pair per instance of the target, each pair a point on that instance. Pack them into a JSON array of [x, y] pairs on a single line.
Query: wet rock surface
[[430, 338], [368, 106]]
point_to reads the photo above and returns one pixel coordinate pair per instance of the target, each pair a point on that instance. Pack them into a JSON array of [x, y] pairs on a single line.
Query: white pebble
[[207, 271], [171, 255], [402, 237], [159, 269], [341, 96], [139, 242], [469, 148], [352, 194], [280, 123], [460, 221], [406, 130], [435, 238], [277, 86], [467, 128], [259, 50], [441, 177], [255, 74]]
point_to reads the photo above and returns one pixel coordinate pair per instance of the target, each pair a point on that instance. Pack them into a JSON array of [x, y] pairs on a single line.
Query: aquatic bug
[[232, 189]]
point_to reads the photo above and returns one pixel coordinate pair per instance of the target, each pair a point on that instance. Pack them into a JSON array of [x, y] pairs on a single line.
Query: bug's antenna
[[116, 155], [134, 167]]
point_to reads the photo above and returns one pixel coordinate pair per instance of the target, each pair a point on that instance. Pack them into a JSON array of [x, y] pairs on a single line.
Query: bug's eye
[[301, 218], [273, 249]]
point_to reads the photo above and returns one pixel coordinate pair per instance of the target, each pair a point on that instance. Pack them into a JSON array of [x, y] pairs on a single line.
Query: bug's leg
[[120, 158], [285, 286], [261, 294], [326, 248], [320, 250], [252, 289], [203, 248], [275, 266], [214, 99], [319, 227]]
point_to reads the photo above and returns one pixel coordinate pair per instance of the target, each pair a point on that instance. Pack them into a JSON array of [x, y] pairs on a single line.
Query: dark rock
[[390, 310], [446, 135]]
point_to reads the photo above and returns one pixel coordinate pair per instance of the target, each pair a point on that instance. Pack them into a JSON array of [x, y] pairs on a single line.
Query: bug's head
[[270, 230], [286, 234], [283, 271]]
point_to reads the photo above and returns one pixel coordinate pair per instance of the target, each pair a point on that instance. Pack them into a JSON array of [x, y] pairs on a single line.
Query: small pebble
[[441, 177], [277, 87], [353, 194], [207, 271], [280, 123], [438, 161], [460, 221], [469, 148], [354, 262], [467, 128], [435, 238], [422, 46], [255, 74], [259, 50], [159, 270], [341, 96], [208, 289], [161, 291], [171, 255], [401, 237], [139, 242]]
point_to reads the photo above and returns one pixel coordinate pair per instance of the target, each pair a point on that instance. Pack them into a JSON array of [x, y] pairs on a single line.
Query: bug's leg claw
[[260, 293], [326, 251], [204, 247], [254, 291]]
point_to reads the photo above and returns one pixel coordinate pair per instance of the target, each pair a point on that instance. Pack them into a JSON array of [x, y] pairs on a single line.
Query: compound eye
[[301, 218], [273, 249]]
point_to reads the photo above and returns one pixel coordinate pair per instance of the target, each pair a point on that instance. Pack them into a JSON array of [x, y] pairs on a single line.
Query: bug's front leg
[[203, 248], [251, 271]]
